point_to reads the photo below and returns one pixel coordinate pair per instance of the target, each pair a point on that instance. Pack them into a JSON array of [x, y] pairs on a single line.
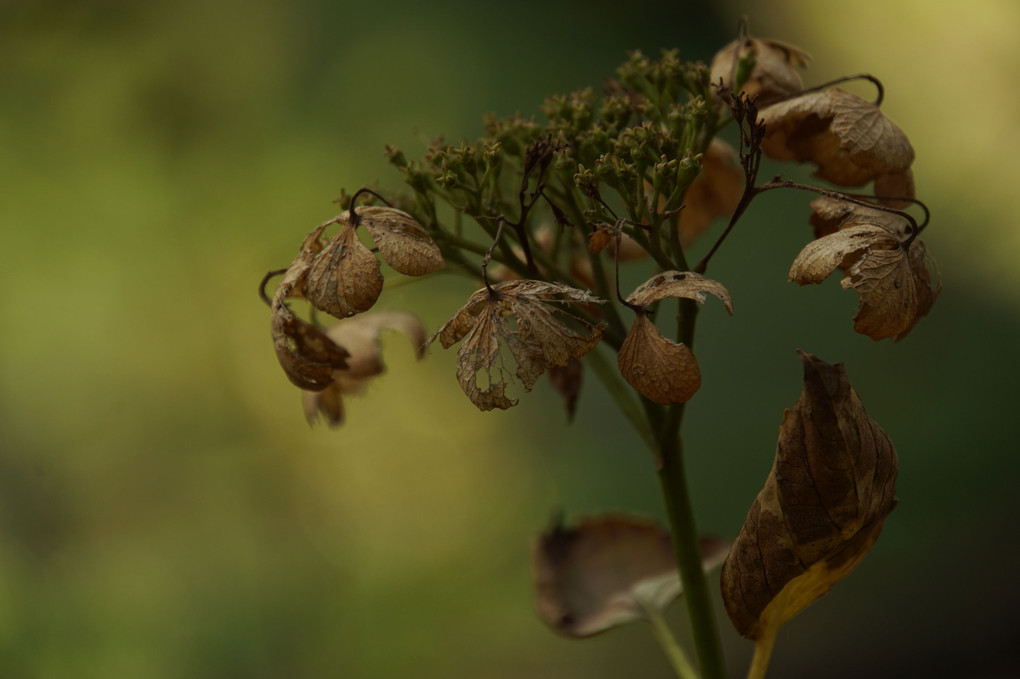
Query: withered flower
[[402, 242], [775, 71], [714, 193], [306, 354], [896, 284], [661, 369], [850, 140], [360, 337], [529, 319]]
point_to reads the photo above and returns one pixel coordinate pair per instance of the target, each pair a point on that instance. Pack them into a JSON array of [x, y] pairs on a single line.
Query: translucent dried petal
[[714, 193], [895, 287], [344, 279], [830, 214], [823, 505], [360, 337], [607, 571], [660, 369], [896, 184], [775, 73], [402, 242], [850, 140], [528, 319], [686, 284]]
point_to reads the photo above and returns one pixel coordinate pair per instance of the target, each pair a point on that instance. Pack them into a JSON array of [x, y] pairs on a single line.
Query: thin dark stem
[[262, 285], [354, 217], [818, 88]]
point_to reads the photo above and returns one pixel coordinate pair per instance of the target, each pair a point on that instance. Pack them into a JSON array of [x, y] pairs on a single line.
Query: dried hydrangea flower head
[[850, 140], [774, 74]]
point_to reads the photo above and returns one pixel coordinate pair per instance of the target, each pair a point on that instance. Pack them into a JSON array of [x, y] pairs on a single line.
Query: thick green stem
[[686, 542]]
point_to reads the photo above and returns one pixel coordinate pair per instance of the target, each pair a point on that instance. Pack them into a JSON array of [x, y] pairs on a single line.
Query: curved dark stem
[[849, 198], [818, 88], [619, 237], [262, 286], [488, 257], [354, 217]]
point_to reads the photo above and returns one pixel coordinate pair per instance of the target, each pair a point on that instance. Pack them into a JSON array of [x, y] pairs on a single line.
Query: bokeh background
[[165, 511]]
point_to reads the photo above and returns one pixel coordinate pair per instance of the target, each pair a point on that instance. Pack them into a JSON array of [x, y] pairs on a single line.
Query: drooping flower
[[528, 319]]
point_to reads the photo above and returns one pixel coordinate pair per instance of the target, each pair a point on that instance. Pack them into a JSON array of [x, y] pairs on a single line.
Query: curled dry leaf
[[822, 508], [402, 242], [528, 319], [344, 279], [896, 285], [608, 571], [360, 337], [775, 73], [714, 193], [850, 140], [306, 354], [661, 369]]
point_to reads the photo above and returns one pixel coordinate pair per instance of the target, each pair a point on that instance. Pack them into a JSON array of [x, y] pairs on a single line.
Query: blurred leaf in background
[[166, 512]]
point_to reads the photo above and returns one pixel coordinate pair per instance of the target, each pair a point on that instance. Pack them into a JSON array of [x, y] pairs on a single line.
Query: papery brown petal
[[566, 379], [402, 242], [830, 214], [293, 279], [686, 284], [328, 403], [822, 256], [823, 505], [660, 369], [607, 571], [360, 336], [479, 367], [849, 139], [344, 279], [599, 239], [307, 355], [775, 73], [714, 193], [896, 184]]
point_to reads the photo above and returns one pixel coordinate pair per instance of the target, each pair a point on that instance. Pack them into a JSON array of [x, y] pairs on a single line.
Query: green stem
[[622, 394], [664, 635]]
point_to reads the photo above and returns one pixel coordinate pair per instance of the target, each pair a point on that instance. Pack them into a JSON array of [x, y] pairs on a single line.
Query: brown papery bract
[[528, 319], [823, 506], [344, 279], [775, 73], [306, 354], [896, 285], [402, 242], [850, 140]]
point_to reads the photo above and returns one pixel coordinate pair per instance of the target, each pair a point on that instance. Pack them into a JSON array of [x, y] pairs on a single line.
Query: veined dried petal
[[528, 319], [360, 337], [306, 354], [402, 242], [775, 73], [344, 279], [895, 286], [607, 571], [850, 140], [896, 184], [831, 486], [714, 193], [660, 369], [830, 214], [679, 284]]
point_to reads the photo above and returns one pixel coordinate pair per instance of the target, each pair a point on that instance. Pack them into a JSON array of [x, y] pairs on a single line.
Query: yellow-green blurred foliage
[[166, 512]]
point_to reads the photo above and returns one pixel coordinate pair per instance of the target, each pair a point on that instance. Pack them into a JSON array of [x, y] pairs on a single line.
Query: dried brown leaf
[[528, 319], [402, 242], [895, 287], [823, 505], [607, 571], [344, 279], [660, 369], [775, 73], [850, 140], [714, 193], [360, 337]]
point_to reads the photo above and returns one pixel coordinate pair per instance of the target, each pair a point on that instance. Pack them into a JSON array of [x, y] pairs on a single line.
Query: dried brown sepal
[[831, 486], [829, 214], [344, 278], [599, 239], [896, 286], [360, 337], [566, 379], [306, 354], [679, 284], [660, 369], [775, 73], [607, 571], [714, 193], [527, 318], [402, 242], [850, 140]]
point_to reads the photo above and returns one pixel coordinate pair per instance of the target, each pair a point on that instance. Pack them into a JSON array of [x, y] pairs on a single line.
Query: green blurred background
[[166, 512]]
